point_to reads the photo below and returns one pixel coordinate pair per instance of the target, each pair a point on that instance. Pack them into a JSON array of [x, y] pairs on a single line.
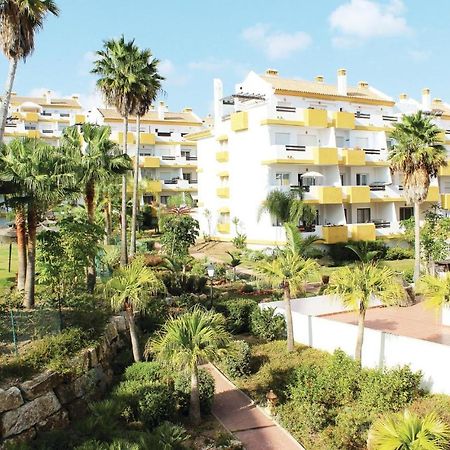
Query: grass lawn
[[7, 278]]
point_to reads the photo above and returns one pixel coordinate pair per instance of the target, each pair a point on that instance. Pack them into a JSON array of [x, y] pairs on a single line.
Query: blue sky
[[397, 46]]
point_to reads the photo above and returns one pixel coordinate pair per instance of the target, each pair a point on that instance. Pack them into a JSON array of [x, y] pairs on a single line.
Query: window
[[164, 199], [282, 138], [362, 215], [164, 133], [362, 179], [342, 177], [340, 141], [282, 179], [187, 176], [406, 212], [148, 199]]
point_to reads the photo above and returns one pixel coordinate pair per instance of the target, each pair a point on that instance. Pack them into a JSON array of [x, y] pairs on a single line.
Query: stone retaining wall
[[50, 400]]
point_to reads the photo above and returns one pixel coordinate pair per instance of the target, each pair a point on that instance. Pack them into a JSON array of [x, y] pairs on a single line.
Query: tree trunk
[[21, 249], [416, 241], [7, 96], [360, 337], [30, 280], [135, 188], [90, 208], [289, 324], [194, 410], [108, 221], [133, 335], [123, 218]]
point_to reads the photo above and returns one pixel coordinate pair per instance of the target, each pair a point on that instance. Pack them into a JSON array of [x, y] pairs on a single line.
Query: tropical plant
[[297, 244], [407, 431], [362, 249], [357, 286], [436, 290], [418, 154], [128, 291], [19, 22], [290, 272], [235, 260], [179, 232], [188, 340]]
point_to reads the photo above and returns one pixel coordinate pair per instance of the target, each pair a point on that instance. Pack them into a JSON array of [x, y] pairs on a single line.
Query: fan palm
[[355, 286], [362, 250], [19, 22], [295, 243], [290, 272], [99, 162], [235, 260], [188, 340], [120, 66], [418, 153], [151, 81], [406, 431], [128, 291], [436, 290]]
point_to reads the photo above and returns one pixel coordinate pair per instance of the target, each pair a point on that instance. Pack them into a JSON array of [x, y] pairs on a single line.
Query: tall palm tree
[[436, 290], [19, 22], [128, 291], [357, 285], [188, 340], [418, 153], [151, 80], [120, 66], [406, 431], [99, 162], [290, 272]]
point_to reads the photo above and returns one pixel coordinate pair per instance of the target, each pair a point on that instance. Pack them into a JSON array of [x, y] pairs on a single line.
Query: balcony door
[[363, 215]]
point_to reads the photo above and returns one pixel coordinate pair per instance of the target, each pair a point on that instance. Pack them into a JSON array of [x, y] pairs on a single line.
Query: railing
[[372, 151], [47, 131], [295, 148], [191, 158], [400, 187], [286, 109], [381, 223], [193, 181], [390, 118], [170, 181], [168, 158], [64, 115], [44, 113], [360, 115], [377, 187]]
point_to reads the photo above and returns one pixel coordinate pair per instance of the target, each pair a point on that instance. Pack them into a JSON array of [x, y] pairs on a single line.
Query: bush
[[395, 253], [156, 405], [267, 324], [237, 364], [247, 289], [238, 314], [148, 372], [206, 388], [339, 252]]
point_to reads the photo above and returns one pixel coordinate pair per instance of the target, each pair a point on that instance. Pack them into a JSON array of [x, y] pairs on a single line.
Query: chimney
[[437, 100], [218, 102], [426, 99], [48, 97], [342, 82], [161, 109], [363, 85], [187, 109], [13, 94], [403, 96], [272, 72], [75, 96], [319, 79]]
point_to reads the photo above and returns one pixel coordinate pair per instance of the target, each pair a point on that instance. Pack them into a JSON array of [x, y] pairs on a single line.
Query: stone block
[[10, 399], [77, 408], [93, 357], [111, 332], [21, 438], [40, 384], [26, 416], [121, 323], [65, 393], [58, 420]]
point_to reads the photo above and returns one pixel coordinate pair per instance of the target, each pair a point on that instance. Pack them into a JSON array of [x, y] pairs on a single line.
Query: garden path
[[248, 422]]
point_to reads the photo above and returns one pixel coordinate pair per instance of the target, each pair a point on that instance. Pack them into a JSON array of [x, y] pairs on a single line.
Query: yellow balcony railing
[[222, 156], [334, 234], [223, 228], [445, 171], [239, 121], [326, 156], [329, 195], [433, 194], [150, 162], [357, 194], [363, 232], [130, 137], [34, 134], [31, 117], [445, 201], [147, 139], [353, 157], [80, 118], [153, 186], [223, 192], [344, 120], [315, 118]]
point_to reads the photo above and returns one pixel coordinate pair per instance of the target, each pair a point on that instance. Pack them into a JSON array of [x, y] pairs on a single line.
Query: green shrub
[[340, 253], [267, 324], [238, 314], [395, 253], [237, 363], [147, 372], [408, 275], [171, 436], [437, 403], [206, 386], [247, 289], [156, 405]]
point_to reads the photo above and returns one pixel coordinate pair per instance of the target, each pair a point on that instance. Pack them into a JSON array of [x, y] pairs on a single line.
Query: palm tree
[[128, 291], [362, 250], [235, 260], [290, 272], [19, 22], [436, 290], [357, 285], [298, 244], [189, 340], [151, 80], [418, 153], [120, 66], [406, 431], [99, 162]]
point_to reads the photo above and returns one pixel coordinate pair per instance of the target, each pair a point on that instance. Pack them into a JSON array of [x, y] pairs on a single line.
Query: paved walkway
[[248, 422]]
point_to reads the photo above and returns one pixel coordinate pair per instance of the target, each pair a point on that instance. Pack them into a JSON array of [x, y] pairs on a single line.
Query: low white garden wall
[[380, 349]]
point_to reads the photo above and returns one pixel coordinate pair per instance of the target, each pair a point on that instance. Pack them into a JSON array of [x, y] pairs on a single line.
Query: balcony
[[223, 192], [362, 231], [222, 156], [325, 156], [33, 134], [175, 184], [357, 194], [344, 120], [334, 233], [150, 162], [383, 193], [323, 195], [445, 201], [317, 118], [353, 157], [130, 138], [80, 118], [153, 186], [445, 171], [239, 121], [31, 117], [223, 228], [147, 138], [433, 194]]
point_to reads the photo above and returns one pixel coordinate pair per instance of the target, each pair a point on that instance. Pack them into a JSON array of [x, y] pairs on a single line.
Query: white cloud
[[419, 55], [173, 77], [276, 44], [208, 65], [86, 63], [359, 20]]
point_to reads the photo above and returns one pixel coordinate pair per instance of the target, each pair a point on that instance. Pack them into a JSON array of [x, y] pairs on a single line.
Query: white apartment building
[[329, 140], [168, 161]]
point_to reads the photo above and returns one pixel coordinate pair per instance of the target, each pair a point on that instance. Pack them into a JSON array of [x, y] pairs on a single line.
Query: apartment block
[[167, 159], [330, 141]]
